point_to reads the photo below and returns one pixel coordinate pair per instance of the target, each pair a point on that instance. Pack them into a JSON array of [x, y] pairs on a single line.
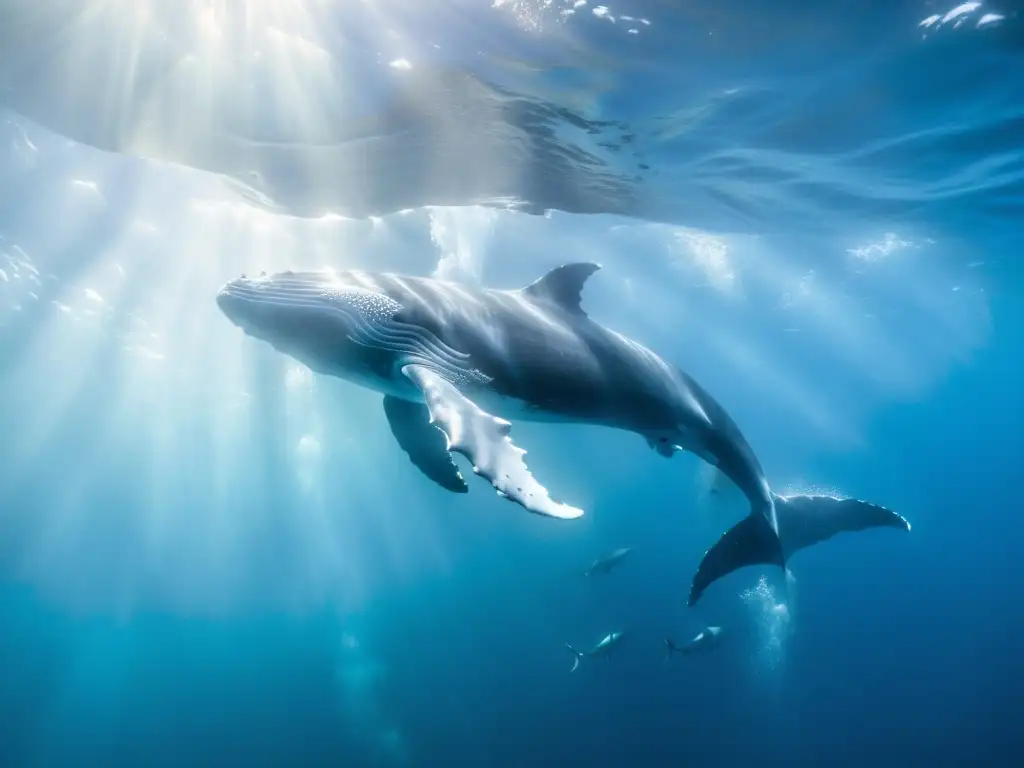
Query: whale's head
[[320, 318]]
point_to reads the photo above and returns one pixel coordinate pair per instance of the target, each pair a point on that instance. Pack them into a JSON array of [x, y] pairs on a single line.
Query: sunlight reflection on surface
[[362, 108]]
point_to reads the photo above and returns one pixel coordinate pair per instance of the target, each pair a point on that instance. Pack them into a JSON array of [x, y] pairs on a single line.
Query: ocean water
[[210, 556]]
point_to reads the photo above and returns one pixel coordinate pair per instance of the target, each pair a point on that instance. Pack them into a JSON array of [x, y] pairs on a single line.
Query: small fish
[[603, 648], [607, 562], [706, 639]]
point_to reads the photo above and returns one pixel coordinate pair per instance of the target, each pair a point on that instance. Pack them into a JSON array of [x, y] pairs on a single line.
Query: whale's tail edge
[[752, 541]]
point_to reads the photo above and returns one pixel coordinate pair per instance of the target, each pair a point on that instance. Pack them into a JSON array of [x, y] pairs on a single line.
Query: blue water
[[210, 557]]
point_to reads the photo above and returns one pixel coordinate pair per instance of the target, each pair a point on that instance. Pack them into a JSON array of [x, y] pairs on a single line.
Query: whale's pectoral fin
[[426, 446], [483, 439]]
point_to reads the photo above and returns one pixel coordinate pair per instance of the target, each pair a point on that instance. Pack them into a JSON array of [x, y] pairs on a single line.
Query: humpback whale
[[803, 521], [603, 649], [455, 364], [706, 639], [607, 562]]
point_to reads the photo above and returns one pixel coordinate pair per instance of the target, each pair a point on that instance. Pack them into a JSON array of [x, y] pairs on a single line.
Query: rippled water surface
[[708, 114]]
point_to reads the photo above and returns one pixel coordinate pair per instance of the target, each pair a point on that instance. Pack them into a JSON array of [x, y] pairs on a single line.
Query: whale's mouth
[[243, 301], [330, 321], [314, 314], [269, 303], [231, 304]]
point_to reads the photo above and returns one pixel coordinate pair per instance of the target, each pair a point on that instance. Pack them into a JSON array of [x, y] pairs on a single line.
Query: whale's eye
[[663, 440]]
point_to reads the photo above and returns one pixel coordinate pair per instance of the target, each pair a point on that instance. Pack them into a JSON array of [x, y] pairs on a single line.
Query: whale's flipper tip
[[484, 440], [567, 512], [546, 507]]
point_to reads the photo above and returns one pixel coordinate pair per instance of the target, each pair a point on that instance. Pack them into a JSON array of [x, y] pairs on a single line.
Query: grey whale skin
[[466, 360]]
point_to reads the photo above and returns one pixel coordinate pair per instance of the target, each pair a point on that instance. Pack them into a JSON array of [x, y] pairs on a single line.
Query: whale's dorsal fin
[[563, 286]]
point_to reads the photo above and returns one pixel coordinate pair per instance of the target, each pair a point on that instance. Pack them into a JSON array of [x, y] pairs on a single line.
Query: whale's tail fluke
[[802, 521], [746, 543], [752, 541], [576, 657]]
